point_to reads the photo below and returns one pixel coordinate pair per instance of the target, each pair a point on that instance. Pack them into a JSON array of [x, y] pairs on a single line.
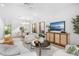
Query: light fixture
[[21, 17], [27, 18], [25, 23], [29, 5]]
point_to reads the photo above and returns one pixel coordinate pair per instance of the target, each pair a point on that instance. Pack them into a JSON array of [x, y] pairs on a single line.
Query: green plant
[[7, 29], [76, 24]]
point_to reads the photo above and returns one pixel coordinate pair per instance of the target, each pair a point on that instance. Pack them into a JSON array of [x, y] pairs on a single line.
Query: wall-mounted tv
[[57, 26]]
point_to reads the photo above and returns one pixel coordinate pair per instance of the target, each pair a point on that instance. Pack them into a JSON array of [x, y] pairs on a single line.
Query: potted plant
[[7, 29], [76, 24]]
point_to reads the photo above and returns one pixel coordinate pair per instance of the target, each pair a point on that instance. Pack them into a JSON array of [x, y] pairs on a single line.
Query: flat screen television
[[57, 26]]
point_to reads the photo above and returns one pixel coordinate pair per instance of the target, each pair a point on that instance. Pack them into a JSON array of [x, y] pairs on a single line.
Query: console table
[[60, 39]]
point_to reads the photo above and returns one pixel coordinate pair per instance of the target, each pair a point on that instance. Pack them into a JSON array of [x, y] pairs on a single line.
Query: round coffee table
[[43, 45], [40, 45]]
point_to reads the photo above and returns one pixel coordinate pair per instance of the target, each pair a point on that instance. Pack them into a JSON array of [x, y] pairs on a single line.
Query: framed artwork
[[57, 26]]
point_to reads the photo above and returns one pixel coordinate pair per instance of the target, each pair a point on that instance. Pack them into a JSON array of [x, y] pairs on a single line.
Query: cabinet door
[[63, 39], [48, 36], [57, 38], [52, 37]]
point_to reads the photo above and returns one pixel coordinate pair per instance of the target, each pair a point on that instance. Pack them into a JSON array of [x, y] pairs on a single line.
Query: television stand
[[57, 38]]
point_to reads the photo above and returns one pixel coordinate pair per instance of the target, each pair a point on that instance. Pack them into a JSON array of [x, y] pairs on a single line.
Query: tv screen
[[57, 26]]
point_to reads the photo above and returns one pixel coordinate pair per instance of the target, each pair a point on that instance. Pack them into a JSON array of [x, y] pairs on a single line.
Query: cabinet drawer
[[63, 39], [57, 38], [51, 37]]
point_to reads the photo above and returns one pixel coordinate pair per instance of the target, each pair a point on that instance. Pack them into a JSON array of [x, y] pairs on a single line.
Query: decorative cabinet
[[58, 38]]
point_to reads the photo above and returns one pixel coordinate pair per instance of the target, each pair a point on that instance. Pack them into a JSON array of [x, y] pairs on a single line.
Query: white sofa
[[29, 38]]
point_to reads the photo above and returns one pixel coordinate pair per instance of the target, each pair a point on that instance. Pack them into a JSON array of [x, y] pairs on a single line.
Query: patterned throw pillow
[[72, 49]]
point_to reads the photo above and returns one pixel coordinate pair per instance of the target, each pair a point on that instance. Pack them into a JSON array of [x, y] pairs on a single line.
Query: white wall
[[1, 29], [50, 12]]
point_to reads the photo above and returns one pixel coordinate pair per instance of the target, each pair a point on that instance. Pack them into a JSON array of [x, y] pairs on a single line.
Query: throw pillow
[[72, 49]]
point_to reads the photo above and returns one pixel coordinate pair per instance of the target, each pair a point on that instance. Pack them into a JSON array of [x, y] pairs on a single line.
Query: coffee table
[[41, 46]]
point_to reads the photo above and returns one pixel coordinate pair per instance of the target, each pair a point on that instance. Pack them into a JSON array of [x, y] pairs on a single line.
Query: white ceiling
[[11, 11]]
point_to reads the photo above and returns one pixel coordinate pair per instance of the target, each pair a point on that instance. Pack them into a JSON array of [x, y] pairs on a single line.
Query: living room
[[23, 26]]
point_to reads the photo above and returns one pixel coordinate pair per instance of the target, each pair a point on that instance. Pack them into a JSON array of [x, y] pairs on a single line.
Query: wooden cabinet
[[58, 38]]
